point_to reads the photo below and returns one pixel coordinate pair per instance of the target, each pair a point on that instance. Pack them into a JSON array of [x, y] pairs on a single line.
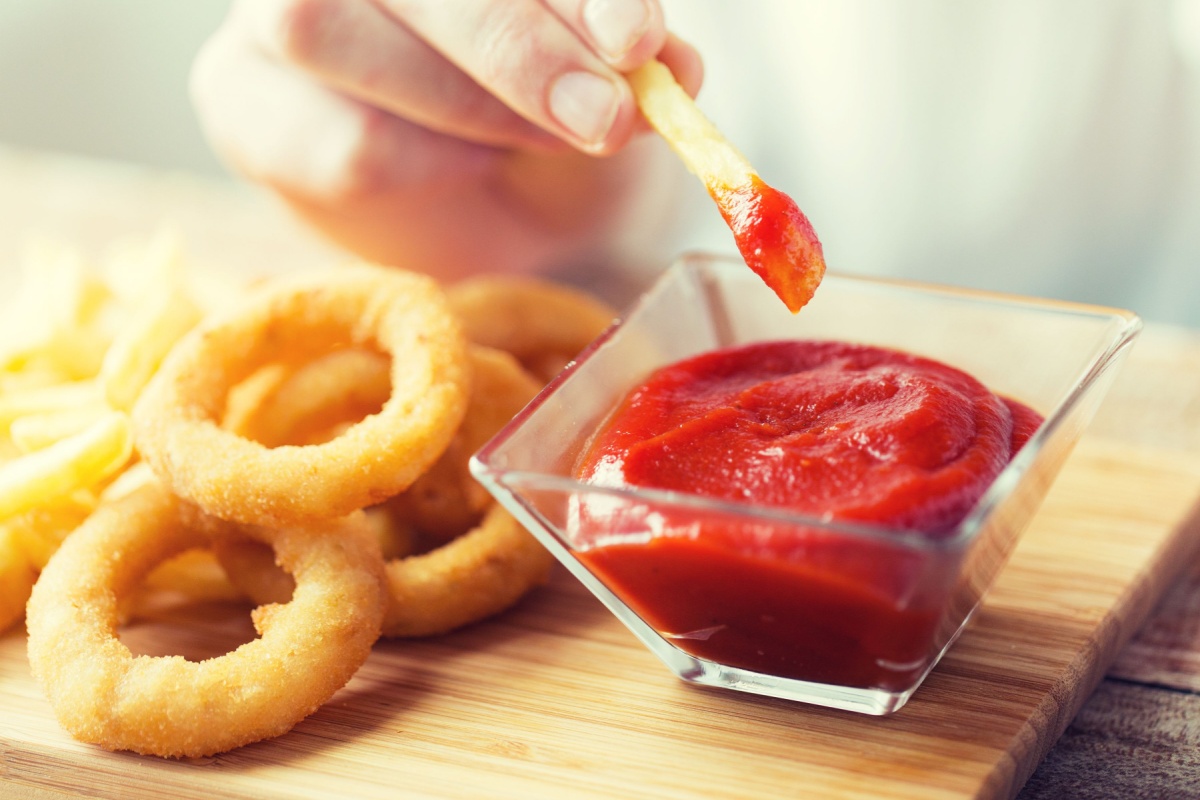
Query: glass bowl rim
[[1007, 480]]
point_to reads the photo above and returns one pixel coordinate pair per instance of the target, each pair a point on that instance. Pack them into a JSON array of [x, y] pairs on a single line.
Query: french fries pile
[[77, 344], [114, 381]]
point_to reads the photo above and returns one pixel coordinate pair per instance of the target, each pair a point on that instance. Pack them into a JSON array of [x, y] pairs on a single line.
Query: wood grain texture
[[558, 697], [1156, 404], [1144, 743], [1166, 650]]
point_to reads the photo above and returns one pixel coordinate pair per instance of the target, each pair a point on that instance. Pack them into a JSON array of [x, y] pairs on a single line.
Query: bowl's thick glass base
[[873, 701], [876, 702], [863, 700]]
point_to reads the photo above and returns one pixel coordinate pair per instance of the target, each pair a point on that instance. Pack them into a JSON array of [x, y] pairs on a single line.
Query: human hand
[[396, 125]]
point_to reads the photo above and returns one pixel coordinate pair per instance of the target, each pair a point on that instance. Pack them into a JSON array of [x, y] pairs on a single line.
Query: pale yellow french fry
[[129, 481], [31, 375], [36, 431], [49, 273], [61, 314], [46, 399], [78, 462], [140, 346], [16, 580], [42, 530], [193, 576], [82, 335], [8, 450], [670, 111]]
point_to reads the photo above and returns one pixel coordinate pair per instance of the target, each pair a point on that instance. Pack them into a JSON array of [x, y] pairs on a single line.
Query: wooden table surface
[[1139, 733]]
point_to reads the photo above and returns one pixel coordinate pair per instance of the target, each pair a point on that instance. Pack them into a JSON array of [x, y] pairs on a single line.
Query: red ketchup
[[775, 239], [838, 432]]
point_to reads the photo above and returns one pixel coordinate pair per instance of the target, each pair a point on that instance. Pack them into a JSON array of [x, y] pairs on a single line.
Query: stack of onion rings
[[446, 500], [481, 561], [313, 442]]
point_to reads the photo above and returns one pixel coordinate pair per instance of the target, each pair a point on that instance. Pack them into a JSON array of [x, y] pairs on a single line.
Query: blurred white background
[[105, 78], [1075, 175]]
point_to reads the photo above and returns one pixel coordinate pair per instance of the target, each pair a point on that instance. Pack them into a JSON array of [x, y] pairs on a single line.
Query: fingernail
[[585, 104], [616, 25]]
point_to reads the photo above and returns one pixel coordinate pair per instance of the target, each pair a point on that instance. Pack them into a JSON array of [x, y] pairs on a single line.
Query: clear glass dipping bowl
[[1058, 358]]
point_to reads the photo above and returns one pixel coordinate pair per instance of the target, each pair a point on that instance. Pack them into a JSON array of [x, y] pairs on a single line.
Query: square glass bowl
[[864, 613]]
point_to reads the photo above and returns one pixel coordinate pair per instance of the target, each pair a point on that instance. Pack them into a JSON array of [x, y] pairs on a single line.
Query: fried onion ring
[[493, 561], [171, 707], [446, 500], [479, 574], [401, 314], [543, 324]]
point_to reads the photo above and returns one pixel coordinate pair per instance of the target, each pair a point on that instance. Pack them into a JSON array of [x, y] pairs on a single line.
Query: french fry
[[16, 580], [148, 278], [677, 118], [36, 431], [48, 399], [77, 344], [774, 237], [41, 531], [37, 376], [193, 574], [129, 481], [58, 319], [140, 346], [80, 461]]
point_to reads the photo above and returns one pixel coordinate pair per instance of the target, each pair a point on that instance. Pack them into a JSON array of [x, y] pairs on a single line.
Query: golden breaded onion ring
[[481, 573], [483, 562], [404, 315], [543, 324], [475, 576], [446, 500], [168, 706]]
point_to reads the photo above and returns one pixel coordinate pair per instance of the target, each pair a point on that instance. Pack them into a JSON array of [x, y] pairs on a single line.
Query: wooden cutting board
[[557, 699]]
